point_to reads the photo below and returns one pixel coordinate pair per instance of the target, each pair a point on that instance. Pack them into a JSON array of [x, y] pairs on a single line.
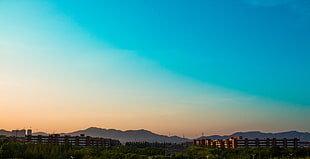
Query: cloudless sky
[[172, 67]]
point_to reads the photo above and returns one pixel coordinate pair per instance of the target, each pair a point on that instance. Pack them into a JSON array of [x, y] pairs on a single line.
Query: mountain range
[[303, 136], [129, 135], [148, 136]]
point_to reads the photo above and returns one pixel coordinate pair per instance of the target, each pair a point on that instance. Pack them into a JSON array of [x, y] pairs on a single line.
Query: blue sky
[[174, 60], [257, 47]]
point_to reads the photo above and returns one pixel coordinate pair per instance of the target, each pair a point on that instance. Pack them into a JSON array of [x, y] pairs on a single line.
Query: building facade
[[81, 140], [245, 142]]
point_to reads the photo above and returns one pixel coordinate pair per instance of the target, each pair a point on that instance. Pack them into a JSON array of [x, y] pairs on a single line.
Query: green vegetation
[[16, 150]]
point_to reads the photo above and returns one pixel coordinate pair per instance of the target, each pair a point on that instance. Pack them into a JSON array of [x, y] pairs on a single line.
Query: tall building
[[29, 132]]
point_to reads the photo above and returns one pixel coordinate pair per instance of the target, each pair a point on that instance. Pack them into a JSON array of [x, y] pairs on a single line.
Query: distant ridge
[[303, 136], [40, 133], [148, 136], [129, 135]]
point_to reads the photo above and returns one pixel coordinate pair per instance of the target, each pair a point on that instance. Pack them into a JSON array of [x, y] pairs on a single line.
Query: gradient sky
[[172, 67]]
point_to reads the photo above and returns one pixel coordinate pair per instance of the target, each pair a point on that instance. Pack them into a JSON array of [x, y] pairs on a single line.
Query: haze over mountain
[[145, 135]]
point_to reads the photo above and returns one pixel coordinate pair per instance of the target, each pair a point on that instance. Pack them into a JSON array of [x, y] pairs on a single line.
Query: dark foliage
[[18, 150]]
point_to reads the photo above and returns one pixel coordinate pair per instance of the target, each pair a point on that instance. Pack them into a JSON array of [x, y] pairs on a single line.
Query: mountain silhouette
[[129, 135], [148, 136], [303, 136]]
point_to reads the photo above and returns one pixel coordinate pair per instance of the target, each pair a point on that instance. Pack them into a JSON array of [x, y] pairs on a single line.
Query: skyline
[[172, 67]]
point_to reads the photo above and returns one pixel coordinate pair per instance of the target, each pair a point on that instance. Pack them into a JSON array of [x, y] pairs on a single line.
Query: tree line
[[17, 150]]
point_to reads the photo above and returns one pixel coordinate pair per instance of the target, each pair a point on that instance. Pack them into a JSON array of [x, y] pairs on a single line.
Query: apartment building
[[81, 140], [245, 142]]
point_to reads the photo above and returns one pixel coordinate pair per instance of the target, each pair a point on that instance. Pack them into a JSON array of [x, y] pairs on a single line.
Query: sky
[[173, 67]]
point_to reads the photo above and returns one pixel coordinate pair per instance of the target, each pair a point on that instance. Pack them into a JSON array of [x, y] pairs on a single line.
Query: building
[[29, 132], [82, 140], [240, 142], [19, 133]]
